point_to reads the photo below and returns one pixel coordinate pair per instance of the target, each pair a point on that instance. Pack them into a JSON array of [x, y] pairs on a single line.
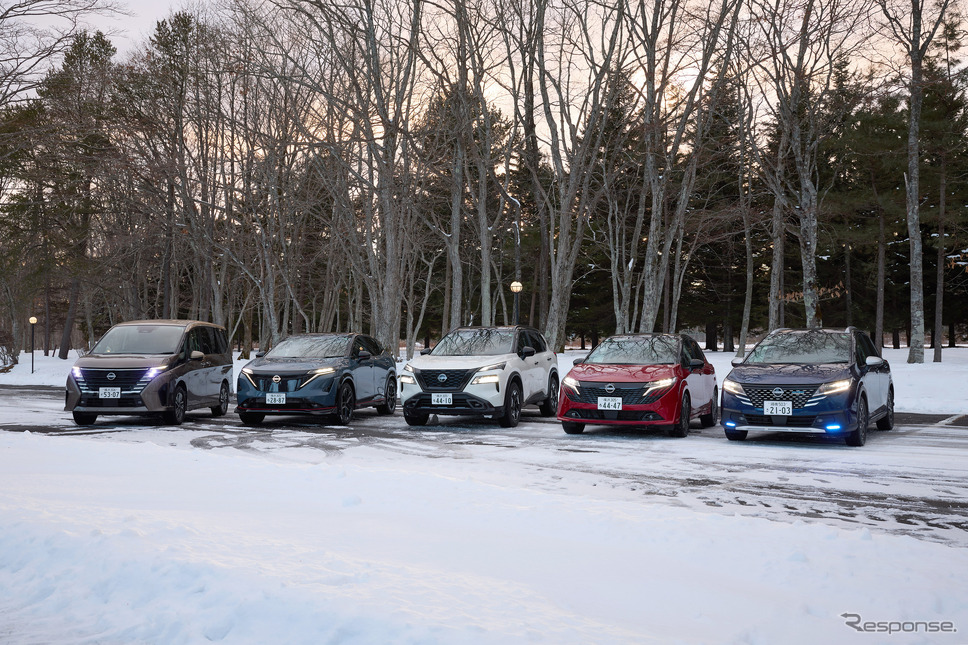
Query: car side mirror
[[197, 355], [874, 361], [364, 355], [696, 364], [579, 361], [425, 351], [736, 362], [260, 354], [527, 351]]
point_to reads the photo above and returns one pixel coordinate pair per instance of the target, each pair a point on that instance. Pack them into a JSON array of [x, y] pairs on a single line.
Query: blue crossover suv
[[818, 381]]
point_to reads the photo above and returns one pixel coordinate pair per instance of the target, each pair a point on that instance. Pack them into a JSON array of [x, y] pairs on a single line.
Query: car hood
[[782, 374], [269, 365], [428, 362], [122, 361], [621, 373]]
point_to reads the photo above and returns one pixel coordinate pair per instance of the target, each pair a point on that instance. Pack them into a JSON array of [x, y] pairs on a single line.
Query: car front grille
[[285, 384], [444, 380], [631, 393], [799, 395], [92, 380]]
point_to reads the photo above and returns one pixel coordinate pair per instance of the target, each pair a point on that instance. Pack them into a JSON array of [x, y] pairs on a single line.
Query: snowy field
[[464, 532]]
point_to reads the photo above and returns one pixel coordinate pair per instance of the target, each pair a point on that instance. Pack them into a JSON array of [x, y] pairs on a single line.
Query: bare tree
[[913, 24]]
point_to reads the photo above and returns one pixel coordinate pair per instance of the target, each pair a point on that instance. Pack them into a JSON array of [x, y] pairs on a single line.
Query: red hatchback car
[[640, 379]]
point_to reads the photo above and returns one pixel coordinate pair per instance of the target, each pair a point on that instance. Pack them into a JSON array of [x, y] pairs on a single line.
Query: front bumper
[[151, 399], [318, 397], [662, 411], [834, 415]]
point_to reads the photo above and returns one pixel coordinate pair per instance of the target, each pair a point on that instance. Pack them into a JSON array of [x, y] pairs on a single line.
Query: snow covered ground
[[467, 533]]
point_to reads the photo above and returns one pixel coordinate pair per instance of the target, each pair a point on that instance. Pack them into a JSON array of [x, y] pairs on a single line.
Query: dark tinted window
[[636, 350], [807, 346], [475, 342], [537, 341], [221, 341], [693, 348], [371, 345], [864, 346], [140, 339], [311, 346]]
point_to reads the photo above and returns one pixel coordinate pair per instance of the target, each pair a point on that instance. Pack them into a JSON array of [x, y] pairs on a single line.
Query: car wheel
[[345, 404], [709, 420], [549, 406], [415, 418], [512, 406], [85, 418], [886, 422], [859, 436], [179, 405], [390, 397], [681, 429], [223, 401], [570, 427], [251, 418], [736, 435]]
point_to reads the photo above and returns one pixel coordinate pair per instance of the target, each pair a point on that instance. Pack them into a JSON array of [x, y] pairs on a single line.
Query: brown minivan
[[148, 367]]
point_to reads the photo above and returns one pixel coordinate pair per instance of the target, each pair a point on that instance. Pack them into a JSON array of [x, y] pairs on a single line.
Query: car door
[[362, 370], [196, 376], [380, 365], [700, 385], [874, 377], [534, 371]]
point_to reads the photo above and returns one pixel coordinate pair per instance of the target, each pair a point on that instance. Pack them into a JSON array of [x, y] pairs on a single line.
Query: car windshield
[[333, 346], [641, 350], [140, 339], [475, 342], [802, 347]]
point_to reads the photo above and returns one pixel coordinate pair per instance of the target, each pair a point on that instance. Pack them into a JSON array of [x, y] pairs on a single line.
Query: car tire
[[570, 427], [512, 406], [549, 406], [389, 405], [415, 418], [179, 406], [251, 418], [345, 404], [223, 401], [709, 420], [681, 429], [858, 437], [85, 418], [886, 422], [736, 435]]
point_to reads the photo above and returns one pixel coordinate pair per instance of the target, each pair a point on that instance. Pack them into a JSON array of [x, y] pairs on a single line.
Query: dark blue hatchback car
[[818, 381], [318, 374]]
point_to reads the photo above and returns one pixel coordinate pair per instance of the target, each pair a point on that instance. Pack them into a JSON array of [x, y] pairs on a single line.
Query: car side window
[[358, 347], [695, 351], [194, 342], [868, 344], [220, 342], [371, 345], [859, 350], [535, 341]]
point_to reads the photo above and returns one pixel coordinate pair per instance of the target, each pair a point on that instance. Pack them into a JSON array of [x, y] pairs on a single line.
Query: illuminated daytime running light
[[655, 386], [834, 386]]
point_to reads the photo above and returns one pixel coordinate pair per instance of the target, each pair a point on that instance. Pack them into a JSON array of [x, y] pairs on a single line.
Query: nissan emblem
[[276, 378], [112, 376], [609, 388], [778, 391], [442, 377]]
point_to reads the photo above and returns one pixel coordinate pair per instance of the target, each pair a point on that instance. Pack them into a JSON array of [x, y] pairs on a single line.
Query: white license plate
[[778, 408], [442, 399], [275, 399], [609, 403], [109, 393]]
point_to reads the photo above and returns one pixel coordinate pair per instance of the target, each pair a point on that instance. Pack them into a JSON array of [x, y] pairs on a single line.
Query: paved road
[[912, 480]]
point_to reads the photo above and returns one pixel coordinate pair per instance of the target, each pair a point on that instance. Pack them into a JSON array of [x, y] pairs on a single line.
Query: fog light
[[833, 426], [730, 424]]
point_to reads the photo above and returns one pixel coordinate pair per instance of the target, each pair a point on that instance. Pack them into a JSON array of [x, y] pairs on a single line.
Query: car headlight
[[573, 383], [494, 367], [408, 368], [655, 386], [406, 378], [155, 371], [323, 370], [247, 370], [486, 378], [76, 371], [733, 387], [835, 386]]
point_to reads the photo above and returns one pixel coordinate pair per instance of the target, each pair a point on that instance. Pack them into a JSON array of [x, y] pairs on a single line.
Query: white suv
[[482, 371]]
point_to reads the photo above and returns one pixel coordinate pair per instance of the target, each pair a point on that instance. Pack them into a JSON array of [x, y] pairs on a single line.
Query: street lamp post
[[33, 325], [516, 288]]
